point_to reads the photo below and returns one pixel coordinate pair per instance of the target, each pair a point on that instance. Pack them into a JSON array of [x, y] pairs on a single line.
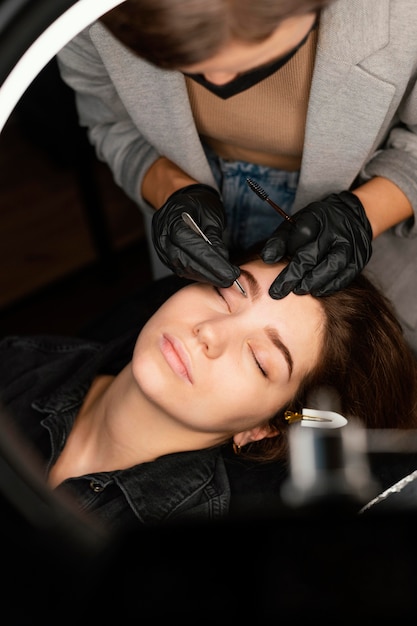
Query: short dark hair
[[178, 33]]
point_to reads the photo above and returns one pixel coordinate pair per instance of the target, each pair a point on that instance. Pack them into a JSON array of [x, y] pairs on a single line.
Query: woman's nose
[[212, 335]]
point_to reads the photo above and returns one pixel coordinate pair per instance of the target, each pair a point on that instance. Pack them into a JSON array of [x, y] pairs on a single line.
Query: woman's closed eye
[[259, 367], [255, 359], [219, 293]]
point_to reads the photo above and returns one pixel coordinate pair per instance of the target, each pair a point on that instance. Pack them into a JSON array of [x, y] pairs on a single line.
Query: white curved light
[[55, 37]]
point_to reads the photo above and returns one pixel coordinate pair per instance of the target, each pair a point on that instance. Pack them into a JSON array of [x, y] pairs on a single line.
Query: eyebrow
[[272, 333], [254, 287]]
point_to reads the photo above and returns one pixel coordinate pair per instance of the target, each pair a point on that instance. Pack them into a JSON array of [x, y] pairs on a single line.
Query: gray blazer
[[361, 121]]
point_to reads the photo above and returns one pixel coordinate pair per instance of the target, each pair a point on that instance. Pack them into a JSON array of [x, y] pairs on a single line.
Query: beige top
[[264, 124]]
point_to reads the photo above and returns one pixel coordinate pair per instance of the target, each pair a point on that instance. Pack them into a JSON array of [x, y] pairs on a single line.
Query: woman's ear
[[255, 434]]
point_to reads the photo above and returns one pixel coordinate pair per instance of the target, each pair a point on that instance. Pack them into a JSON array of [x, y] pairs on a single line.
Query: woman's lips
[[176, 357]]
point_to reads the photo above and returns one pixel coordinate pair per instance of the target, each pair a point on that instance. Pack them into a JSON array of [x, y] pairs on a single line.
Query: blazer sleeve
[[111, 130], [397, 159]]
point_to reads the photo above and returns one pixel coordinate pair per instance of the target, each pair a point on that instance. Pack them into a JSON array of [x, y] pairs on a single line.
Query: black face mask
[[250, 78]]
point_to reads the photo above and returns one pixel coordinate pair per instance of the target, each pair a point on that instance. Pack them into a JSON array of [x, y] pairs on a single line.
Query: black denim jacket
[[43, 381]]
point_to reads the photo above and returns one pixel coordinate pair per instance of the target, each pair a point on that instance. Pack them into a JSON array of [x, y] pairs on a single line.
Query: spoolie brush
[[264, 196]]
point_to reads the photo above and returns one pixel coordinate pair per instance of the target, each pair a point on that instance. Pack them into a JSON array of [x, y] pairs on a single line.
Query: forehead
[[301, 318]]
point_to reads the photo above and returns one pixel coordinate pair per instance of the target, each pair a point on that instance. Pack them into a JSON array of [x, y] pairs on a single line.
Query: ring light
[[32, 34]]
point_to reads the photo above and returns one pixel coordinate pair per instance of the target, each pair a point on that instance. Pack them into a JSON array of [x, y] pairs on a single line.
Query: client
[[134, 430]]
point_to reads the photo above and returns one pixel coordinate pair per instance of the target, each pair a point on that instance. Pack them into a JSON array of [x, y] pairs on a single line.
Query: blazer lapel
[[341, 132], [157, 102]]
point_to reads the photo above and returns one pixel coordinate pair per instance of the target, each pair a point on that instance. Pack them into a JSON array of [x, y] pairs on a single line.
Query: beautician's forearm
[[385, 204], [161, 180]]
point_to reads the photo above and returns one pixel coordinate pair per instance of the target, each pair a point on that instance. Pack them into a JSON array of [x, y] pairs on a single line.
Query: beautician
[[314, 100]]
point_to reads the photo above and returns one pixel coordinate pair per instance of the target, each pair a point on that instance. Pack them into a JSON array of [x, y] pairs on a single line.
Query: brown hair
[[178, 33], [365, 360]]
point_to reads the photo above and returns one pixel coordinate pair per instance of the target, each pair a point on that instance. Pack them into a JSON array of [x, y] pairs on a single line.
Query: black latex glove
[[183, 250], [328, 243]]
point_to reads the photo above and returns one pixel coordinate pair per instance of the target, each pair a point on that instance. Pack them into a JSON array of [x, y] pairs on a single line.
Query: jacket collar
[[159, 490], [115, 355], [345, 27]]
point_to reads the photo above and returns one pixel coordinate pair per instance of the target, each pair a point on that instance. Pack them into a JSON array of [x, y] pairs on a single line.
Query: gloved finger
[[307, 231], [217, 270], [191, 256], [276, 246], [290, 237], [187, 268], [327, 271], [190, 242], [291, 277], [218, 243], [280, 289], [286, 281], [339, 282], [304, 263], [182, 236]]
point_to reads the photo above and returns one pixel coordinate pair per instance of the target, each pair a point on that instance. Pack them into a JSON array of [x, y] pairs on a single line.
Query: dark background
[[72, 244]]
